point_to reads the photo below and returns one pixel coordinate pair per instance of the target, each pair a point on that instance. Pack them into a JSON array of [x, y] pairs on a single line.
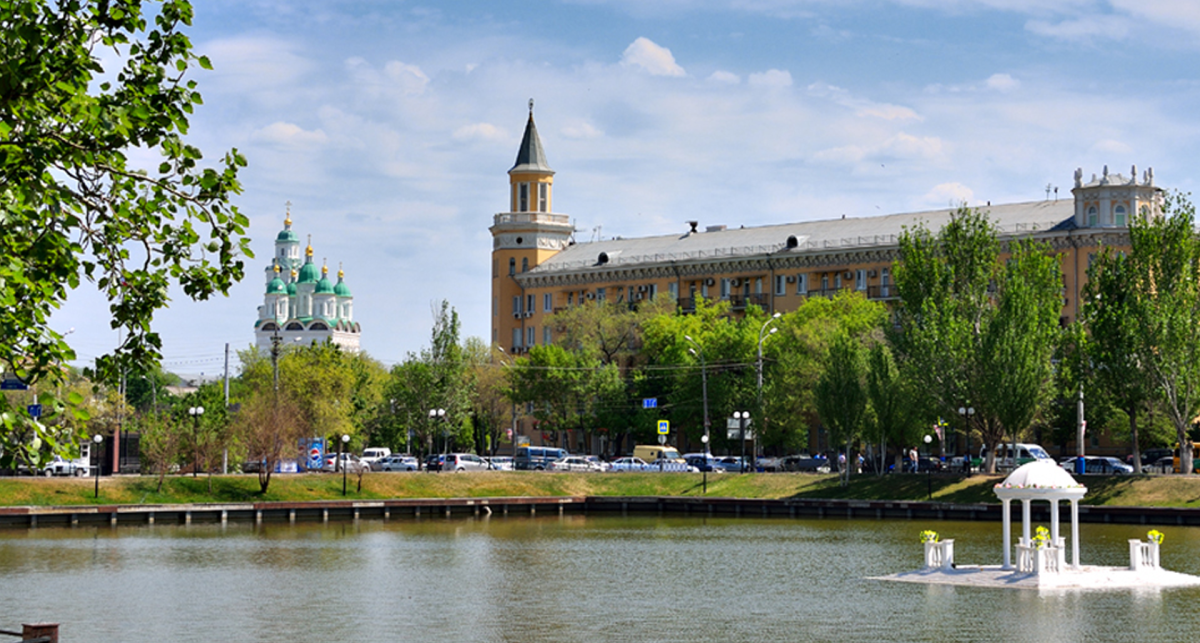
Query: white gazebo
[[1040, 480]]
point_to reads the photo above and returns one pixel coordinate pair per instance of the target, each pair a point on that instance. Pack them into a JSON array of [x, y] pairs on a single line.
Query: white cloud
[[948, 195], [254, 64], [410, 79], [727, 77], [653, 58], [1171, 13], [1002, 82], [584, 130], [288, 135], [862, 106], [480, 132], [1109, 146], [1082, 29], [771, 78]]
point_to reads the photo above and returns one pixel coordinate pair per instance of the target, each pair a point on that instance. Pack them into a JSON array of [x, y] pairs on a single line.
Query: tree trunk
[[1133, 433]]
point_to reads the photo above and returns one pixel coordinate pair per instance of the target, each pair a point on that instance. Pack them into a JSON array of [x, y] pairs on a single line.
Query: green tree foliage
[[842, 394], [796, 356], [1164, 282], [565, 387], [271, 427], [160, 442], [974, 328], [72, 205], [895, 416], [491, 410]]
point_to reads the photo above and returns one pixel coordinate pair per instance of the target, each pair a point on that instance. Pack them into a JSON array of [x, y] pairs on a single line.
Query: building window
[[547, 336], [522, 197], [517, 305], [495, 334], [543, 197], [495, 306], [801, 284], [495, 268], [600, 293], [780, 285], [837, 281], [860, 279], [525, 264], [516, 338], [673, 288], [704, 290], [724, 288], [547, 302], [1119, 216], [529, 307], [653, 290], [758, 286], [530, 336], [1092, 219], [824, 283], [885, 277], [512, 266], [570, 299]]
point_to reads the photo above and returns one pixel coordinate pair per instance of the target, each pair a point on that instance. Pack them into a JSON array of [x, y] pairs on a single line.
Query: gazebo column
[[1054, 522], [1026, 519], [1075, 533], [1007, 502]]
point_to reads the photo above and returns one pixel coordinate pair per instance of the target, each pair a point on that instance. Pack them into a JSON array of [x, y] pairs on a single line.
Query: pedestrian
[[912, 457]]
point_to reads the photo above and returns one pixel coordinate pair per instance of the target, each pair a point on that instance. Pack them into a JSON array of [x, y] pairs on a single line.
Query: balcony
[[740, 302], [532, 217]]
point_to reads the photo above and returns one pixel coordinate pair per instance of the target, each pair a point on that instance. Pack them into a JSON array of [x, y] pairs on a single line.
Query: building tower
[[526, 235]]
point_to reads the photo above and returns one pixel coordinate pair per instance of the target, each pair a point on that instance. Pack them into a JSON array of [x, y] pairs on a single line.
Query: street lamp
[[698, 351], [345, 441], [742, 417], [97, 440], [704, 441], [928, 469], [196, 412], [967, 412], [762, 337], [440, 414]]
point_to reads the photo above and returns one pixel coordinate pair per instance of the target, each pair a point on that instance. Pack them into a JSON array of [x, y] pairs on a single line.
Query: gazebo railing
[[940, 554], [1050, 559], [1142, 555]]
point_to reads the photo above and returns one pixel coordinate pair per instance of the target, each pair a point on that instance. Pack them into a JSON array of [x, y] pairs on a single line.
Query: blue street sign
[[35, 410], [664, 427], [13, 384], [650, 403]]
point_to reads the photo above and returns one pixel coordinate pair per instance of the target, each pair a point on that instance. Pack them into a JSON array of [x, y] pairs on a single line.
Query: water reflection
[[570, 578]]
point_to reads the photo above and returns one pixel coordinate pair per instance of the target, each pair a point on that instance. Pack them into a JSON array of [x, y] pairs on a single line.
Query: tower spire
[[531, 157]]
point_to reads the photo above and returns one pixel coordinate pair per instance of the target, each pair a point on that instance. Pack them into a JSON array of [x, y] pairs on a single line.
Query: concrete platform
[[1087, 577]]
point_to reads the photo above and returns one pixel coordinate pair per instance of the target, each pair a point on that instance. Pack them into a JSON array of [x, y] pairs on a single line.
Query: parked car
[[732, 464], [766, 464], [60, 466], [630, 464], [1105, 465], [804, 463], [433, 462], [501, 462], [573, 463], [350, 461], [536, 458], [458, 462], [1151, 456], [604, 466], [704, 462], [398, 462], [372, 455]]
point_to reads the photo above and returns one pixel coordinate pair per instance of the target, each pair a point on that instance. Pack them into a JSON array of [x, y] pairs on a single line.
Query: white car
[[372, 456], [398, 462], [501, 463], [349, 461], [60, 466], [574, 463], [631, 464]]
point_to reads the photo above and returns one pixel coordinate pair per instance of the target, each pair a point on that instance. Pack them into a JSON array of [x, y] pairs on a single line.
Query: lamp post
[[967, 412], [698, 351], [345, 441], [196, 412], [929, 469], [97, 440], [436, 414], [762, 336], [704, 441], [742, 417]]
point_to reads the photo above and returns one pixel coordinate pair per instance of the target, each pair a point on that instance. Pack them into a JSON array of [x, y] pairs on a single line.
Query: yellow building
[[537, 267]]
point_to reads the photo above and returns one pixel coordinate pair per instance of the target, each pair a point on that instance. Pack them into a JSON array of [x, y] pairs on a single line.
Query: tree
[[160, 442], [72, 205], [271, 426], [1164, 279], [491, 411], [895, 415], [842, 394], [565, 387], [973, 329]]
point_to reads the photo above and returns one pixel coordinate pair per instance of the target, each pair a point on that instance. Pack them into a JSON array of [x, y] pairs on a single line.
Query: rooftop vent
[[714, 228], [602, 259], [792, 242]]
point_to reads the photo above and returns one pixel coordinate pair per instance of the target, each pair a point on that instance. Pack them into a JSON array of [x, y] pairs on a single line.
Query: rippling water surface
[[572, 578]]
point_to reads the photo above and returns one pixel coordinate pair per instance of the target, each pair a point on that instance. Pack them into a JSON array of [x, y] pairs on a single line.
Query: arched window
[[525, 264], [1119, 216], [1092, 219], [512, 266]]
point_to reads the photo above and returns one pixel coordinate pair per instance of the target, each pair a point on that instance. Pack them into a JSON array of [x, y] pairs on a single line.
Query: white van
[[652, 453], [372, 456], [1026, 453]]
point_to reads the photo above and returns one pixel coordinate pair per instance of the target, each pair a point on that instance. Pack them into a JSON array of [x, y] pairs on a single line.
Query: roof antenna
[[530, 108]]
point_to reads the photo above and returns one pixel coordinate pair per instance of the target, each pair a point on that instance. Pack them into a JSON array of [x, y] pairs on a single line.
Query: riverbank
[[1123, 491]]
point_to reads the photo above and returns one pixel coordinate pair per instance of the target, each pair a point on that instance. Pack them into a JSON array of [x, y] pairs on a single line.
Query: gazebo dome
[[1039, 474]]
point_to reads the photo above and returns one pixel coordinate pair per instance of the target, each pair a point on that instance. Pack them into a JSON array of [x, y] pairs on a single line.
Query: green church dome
[[276, 287]]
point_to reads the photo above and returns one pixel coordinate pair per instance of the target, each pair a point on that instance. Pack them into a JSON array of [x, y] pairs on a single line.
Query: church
[[301, 305]]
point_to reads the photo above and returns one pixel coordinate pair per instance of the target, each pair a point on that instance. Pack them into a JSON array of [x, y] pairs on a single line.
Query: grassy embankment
[[1162, 491]]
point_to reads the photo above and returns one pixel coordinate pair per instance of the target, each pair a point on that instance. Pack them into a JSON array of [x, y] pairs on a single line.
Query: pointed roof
[[531, 157]]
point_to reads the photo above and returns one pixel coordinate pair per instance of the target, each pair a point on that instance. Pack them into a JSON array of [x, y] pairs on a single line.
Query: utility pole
[[225, 455]]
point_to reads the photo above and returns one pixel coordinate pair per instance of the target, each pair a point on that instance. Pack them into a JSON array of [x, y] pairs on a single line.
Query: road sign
[[650, 403], [664, 427], [35, 410], [11, 383], [662, 439]]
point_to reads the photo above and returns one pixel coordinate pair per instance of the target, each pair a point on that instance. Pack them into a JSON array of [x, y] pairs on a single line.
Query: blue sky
[[390, 127]]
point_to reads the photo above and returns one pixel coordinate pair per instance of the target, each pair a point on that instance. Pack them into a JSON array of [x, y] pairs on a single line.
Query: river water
[[570, 578]]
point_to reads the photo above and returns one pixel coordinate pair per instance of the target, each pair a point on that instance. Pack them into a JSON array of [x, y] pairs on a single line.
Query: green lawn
[[1160, 491]]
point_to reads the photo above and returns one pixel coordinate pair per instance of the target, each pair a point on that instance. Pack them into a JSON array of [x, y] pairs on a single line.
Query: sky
[[390, 127]]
